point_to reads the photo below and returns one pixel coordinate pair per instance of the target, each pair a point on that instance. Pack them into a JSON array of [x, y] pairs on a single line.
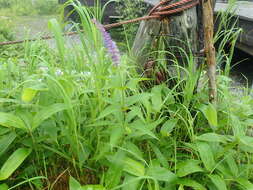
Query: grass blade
[[13, 162], [6, 141], [10, 120]]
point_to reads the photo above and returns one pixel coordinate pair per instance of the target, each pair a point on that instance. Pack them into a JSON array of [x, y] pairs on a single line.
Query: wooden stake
[[209, 48]]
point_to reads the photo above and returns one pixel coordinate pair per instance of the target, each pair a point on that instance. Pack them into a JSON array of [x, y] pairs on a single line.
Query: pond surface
[[31, 26]]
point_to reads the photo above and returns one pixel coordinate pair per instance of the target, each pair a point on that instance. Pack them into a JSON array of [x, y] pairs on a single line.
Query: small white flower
[[58, 72]]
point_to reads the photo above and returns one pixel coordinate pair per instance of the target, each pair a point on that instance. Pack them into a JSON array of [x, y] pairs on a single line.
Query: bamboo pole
[[209, 48]]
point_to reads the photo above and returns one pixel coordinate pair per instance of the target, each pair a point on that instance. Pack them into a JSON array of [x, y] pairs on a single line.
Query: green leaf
[[133, 167], [168, 127], [107, 111], [131, 182], [224, 170], [46, 113], [190, 183], [4, 130], [161, 174], [212, 137], [28, 94], [6, 141], [10, 120], [188, 167], [210, 113], [137, 98], [116, 134], [135, 112], [156, 98], [246, 143], [4, 187], [245, 183], [232, 165], [218, 182], [237, 125], [13, 162], [93, 187], [74, 184], [134, 150], [142, 129], [114, 173], [206, 155], [159, 155]]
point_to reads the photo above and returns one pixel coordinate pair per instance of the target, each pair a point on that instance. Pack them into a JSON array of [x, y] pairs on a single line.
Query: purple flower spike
[[109, 44]]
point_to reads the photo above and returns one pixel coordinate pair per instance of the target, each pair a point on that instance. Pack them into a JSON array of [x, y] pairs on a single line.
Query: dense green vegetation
[[72, 119], [27, 7]]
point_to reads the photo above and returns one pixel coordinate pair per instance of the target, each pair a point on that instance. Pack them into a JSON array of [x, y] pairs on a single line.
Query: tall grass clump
[[72, 119]]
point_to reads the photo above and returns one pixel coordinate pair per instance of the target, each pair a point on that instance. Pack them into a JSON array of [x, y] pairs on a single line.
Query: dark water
[[242, 67]]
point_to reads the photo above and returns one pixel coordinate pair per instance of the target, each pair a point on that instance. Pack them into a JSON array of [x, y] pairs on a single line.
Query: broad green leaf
[[28, 94], [135, 112], [74, 184], [114, 173], [142, 129], [188, 167], [224, 169], [190, 183], [116, 134], [245, 183], [153, 125], [10, 120], [134, 150], [46, 113], [168, 127], [107, 111], [212, 137], [246, 143], [5, 141], [92, 187], [210, 113], [4, 187], [156, 98], [4, 130], [131, 182], [159, 155], [161, 174], [133, 167], [232, 165], [13, 162], [133, 83], [206, 155], [238, 129], [218, 182], [137, 98]]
